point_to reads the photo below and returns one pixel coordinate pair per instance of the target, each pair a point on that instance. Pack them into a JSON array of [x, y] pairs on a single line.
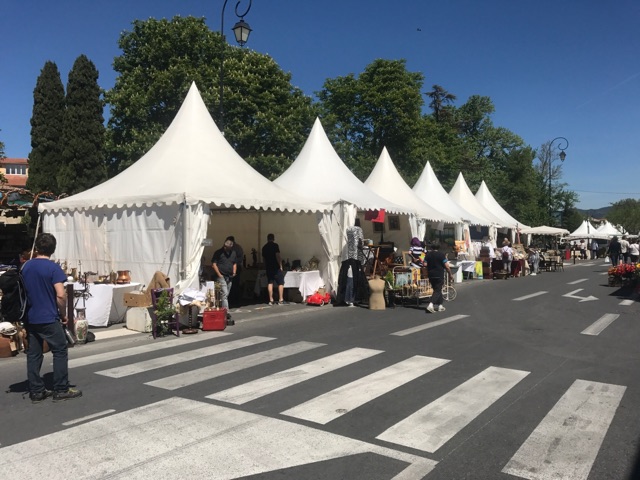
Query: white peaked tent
[[483, 195], [319, 175], [385, 180], [544, 230], [607, 230], [155, 214], [430, 191], [585, 230]]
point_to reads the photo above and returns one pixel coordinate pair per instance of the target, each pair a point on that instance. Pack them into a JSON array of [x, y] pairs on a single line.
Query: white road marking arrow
[[582, 299]]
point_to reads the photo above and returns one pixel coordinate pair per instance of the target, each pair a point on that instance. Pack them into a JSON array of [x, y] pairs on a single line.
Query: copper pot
[[124, 276]]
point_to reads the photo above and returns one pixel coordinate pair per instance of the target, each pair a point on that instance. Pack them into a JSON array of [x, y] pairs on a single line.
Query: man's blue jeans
[[53, 333], [225, 290]]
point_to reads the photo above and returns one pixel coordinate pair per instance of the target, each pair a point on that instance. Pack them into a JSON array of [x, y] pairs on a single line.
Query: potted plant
[[164, 312]]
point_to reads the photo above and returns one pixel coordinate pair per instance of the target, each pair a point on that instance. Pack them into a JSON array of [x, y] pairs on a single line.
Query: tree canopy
[[46, 121], [626, 213], [83, 160]]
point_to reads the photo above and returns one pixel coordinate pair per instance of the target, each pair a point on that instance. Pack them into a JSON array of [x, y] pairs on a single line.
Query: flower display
[[626, 270]]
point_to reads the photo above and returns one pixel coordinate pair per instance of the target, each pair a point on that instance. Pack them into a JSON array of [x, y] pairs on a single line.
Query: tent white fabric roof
[[462, 194], [585, 230], [192, 162], [386, 181], [607, 229], [431, 192], [484, 196], [320, 175], [544, 230]]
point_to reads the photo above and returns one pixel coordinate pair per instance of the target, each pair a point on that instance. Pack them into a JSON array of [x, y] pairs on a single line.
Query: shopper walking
[[436, 263], [614, 251], [273, 266], [47, 316], [594, 249]]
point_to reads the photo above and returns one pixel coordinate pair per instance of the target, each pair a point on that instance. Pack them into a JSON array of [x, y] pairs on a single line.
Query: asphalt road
[[532, 377]]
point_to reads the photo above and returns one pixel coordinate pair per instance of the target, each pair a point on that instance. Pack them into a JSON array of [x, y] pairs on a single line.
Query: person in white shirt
[[634, 251], [624, 249], [507, 256]]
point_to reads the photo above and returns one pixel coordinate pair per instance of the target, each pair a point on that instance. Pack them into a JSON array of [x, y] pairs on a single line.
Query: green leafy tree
[[382, 107], [626, 213], [266, 118], [440, 98], [83, 132], [46, 124]]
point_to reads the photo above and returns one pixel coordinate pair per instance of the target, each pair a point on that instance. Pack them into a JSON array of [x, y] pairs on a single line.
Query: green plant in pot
[[164, 312]]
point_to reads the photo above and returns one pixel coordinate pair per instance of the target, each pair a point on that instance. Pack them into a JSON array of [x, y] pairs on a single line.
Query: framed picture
[[378, 227], [394, 222]]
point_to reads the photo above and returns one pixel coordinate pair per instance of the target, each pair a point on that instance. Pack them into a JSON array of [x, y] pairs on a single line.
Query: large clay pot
[[124, 276]]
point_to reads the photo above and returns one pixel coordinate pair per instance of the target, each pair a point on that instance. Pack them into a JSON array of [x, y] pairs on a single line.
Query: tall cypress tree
[[46, 125], [83, 132]]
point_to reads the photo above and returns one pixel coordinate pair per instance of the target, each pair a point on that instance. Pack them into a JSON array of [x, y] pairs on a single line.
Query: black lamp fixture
[[241, 31], [562, 155]]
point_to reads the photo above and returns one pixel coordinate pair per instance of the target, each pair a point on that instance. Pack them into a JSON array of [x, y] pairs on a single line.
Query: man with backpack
[[46, 317]]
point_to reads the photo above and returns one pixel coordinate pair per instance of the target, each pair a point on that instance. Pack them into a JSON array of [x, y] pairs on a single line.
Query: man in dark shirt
[[225, 263], [436, 263], [44, 282], [273, 266]]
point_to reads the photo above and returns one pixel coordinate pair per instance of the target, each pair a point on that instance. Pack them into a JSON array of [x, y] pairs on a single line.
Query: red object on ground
[[318, 299], [214, 319], [567, 254]]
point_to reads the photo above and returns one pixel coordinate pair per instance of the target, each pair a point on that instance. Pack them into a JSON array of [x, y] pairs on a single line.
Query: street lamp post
[[241, 31], [562, 156]]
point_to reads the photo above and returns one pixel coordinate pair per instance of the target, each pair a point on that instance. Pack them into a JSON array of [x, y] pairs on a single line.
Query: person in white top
[[507, 256], [624, 249], [634, 251]]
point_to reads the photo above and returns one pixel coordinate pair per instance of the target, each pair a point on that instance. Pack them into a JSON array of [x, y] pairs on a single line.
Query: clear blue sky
[[552, 67]]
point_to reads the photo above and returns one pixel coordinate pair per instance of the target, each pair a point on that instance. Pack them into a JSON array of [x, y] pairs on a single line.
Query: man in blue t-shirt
[[436, 263], [47, 299]]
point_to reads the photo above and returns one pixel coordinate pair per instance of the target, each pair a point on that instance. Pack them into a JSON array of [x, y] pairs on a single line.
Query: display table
[[105, 303], [307, 282]]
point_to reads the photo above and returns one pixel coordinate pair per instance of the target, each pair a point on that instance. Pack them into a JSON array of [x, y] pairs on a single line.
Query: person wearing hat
[[225, 264], [507, 255]]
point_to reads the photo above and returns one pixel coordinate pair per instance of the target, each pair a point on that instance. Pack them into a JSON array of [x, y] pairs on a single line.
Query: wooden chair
[[175, 320]]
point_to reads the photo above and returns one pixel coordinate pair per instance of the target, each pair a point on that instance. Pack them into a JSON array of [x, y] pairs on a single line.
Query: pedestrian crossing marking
[[272, 383], [575, 282], [214, 371], [190, 440], [160, 362], [333, 404], [149, 347], [432, 426], [599, 325], [429, 325], [565, 444], [626, 303]]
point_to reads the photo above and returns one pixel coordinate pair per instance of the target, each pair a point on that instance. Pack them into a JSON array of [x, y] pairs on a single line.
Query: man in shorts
[[273, 266]]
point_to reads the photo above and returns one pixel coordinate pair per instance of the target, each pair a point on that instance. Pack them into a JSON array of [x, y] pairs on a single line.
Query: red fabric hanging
[[376, 216]]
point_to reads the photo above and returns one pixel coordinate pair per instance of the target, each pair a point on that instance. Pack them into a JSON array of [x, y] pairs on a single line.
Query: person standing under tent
[[436, 263], [273, 267], [507, 256], [583, 250], [47, 315], [594, 249], [225, 263], [235, 295]]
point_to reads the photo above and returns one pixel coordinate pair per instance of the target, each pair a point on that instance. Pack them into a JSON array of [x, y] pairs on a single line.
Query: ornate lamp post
[[241, 30], [562, 156]]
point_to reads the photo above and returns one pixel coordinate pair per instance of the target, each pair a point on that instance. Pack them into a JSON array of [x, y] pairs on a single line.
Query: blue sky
[[552, 68]]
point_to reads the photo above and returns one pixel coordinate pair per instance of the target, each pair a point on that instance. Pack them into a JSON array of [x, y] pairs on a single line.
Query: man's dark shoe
[[68, 395], [231, 322], [40, 396]]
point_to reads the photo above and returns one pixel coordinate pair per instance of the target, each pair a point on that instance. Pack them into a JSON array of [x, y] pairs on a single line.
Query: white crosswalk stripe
[[338, 402], [208, 373], [566, 442], [563, 445], [272, 383], [432, 426], [176, 358]]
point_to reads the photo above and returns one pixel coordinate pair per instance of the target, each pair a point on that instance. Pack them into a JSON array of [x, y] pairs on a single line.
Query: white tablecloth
[[106, 303], [307, 282]]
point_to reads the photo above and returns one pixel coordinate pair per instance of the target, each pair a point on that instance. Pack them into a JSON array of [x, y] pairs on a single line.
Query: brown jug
[[124, 276]]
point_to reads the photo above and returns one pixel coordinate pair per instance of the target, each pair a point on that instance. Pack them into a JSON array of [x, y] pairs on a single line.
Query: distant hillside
[[596, 213]]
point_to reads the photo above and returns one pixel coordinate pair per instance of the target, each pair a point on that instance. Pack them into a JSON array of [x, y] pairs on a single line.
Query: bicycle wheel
[[449, 293]]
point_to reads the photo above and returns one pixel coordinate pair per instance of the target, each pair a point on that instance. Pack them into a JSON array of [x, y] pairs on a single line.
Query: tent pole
[[185, 230]]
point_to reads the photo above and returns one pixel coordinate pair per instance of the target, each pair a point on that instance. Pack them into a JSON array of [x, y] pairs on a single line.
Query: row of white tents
[[191, 190]]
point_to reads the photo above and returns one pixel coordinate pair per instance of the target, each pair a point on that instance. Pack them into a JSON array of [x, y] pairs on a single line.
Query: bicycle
[[449, 292]]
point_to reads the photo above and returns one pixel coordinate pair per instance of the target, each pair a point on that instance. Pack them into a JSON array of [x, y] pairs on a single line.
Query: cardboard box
[[137, 299], [214, 319]]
